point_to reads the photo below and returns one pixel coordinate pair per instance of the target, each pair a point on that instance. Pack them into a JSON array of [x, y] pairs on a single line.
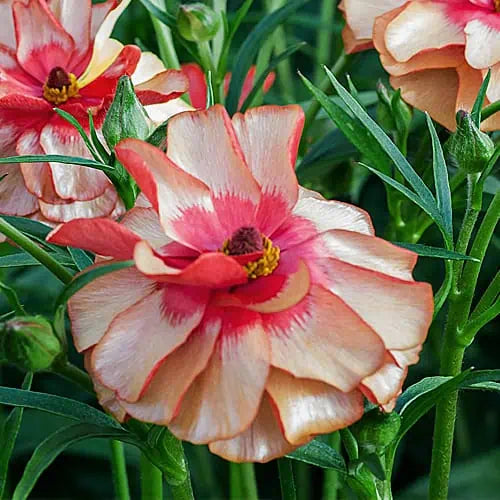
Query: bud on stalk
[[197, 22]]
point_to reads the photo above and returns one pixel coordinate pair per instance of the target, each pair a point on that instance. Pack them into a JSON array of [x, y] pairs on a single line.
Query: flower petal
[[261, 442], [269, 137], [13, 78], [163, 87], [42, 43], [214, 270], [145, 223], [399, 311], [322, 338], [309, 407], [160, 401], [149, 65], [482, 49], [93, 308], [197, 85], [7, 33], [15, 199], [143, 335], [225, 398], [100, 236]]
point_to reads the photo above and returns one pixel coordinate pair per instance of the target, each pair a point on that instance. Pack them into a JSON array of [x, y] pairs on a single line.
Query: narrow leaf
[[67, 160], [13, 300], [86, 277], [58, 405], [319, 454], [434, 252], [104, 155], [441, 180], [80, 258], [28, 226], [210, 90], [22, 259], [479, 102], [251, 47], [165, 17]]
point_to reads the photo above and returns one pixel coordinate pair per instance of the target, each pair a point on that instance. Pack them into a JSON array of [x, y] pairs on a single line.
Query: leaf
[[387, 145], [21, 259], [165, 17], [81, 259], [28, 226], [14, 302], [47, 451], [272, 65], [8, 436], [67, 160], [434, 252], [319, 454], [58, 405], [441, 181], [105, 156], [86, 277], [210, 90], [479, 102], [251, 47]]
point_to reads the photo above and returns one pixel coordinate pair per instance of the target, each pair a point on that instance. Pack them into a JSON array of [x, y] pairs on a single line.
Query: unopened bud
[[30, 343], [393, 113], [197, 22], [471, 148]]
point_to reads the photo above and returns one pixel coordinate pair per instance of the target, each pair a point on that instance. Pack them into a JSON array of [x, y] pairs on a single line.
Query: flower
[[436, 51], [59, 53], [256, 314], [198, 84]]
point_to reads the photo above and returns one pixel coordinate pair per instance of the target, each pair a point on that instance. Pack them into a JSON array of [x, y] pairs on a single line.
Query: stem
[[151, 480], [324, 38], [119, 469], [286, 479], [183, 491], [74, 374], [220, 6], [481, 320], [331, 477], [35, 251], [206, 57], [350, 443], [165, 42], [488, 297], [490, 110], [243, 483]]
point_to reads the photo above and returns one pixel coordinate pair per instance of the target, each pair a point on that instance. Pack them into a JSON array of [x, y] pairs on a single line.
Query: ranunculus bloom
[[436, 51], [257, 314], [198, 84], [58, 53]]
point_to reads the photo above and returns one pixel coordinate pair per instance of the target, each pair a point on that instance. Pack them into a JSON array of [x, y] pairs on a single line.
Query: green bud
[[126, 117], [197, 22], [30, 343], [375, 431], [393, 113], [471, 148]]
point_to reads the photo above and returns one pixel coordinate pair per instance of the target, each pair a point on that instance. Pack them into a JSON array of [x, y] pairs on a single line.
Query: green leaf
[[210, 90], [28, 226], [319, 454], [105, 156], [434, 252], [67, 160], [479, 102], [86, 277], [22, 259], [272, 65], [441, 181], [14, 302], [80, 258], [251, 47], [8, 436], [165, 17], [56, 404], [387, 145], [47, 451]]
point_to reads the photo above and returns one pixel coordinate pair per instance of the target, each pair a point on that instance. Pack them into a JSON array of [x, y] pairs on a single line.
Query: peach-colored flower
[[257, 314], [59, 53], [436, 51]]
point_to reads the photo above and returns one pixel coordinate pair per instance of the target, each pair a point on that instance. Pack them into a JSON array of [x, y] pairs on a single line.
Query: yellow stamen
[[61, 95], [263, 266]]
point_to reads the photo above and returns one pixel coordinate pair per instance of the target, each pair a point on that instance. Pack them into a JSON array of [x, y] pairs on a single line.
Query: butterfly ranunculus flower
[[436, 51], [256, 314], [59, 53], [198, 84]]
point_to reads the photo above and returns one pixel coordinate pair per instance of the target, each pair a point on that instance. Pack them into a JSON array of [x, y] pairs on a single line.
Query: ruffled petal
[[145, 223], [482, 49], [13, 78], [224, 400], [197, 85], [322, 338], [162, 87], [137, 338], [308, 407], [261, 442], [7, 33], [269, 137], [93, 308], [15, 199]]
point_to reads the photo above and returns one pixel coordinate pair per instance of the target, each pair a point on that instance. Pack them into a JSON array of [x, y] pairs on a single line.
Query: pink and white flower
[[256, 314], [436, 51], [59, 53]]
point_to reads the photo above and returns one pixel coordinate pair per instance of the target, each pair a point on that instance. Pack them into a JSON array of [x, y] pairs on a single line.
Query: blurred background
[[329, 166]]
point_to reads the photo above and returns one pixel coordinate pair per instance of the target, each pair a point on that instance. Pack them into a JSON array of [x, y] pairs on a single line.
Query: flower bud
[[471, 148], [376, 430], [393, 113], [126, 117], [197, 22], [30, 343]]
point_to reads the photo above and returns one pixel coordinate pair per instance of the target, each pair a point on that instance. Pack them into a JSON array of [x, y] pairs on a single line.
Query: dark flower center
[[60, 86], [58, 78], [244, 240]]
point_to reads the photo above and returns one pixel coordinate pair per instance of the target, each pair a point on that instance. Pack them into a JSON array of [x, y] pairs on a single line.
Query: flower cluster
[[436, 51]]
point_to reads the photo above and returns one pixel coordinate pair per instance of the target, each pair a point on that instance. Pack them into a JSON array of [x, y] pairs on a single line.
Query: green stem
[[35, 251], [74, 374], [324, 42], [454, 345], [350, 443], [488, 297], [220, 6], [183, 491], [242, 481], [287, 481], [490, 110], [481, 320], [166, 46], [119, 469], [331, 477], [206, 57], [151, 480]]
